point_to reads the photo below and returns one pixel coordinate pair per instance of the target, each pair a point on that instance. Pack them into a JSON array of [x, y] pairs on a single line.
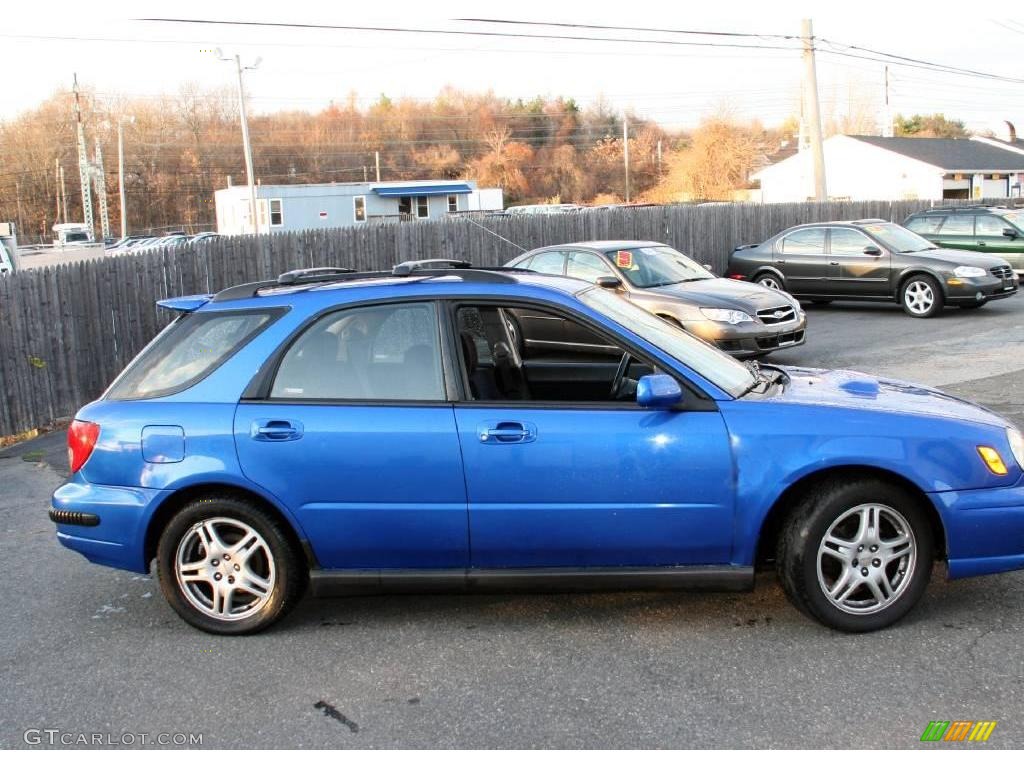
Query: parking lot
[[88, 649]]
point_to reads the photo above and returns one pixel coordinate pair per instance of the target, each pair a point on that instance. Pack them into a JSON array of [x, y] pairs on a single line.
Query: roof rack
[[954, 208], [423, 268]]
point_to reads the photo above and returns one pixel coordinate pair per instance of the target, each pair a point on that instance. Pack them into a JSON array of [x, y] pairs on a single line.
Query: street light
[[120, 171], [245, 131]]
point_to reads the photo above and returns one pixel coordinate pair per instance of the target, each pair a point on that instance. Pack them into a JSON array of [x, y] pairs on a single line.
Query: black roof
[[950, 154]]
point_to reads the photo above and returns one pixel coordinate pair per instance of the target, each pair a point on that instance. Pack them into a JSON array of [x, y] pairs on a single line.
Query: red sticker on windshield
[[624, 259]]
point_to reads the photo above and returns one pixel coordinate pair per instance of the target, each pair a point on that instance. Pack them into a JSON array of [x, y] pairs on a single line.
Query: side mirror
[[1010, 232], [658, 390], [608, 281], [872, 250]]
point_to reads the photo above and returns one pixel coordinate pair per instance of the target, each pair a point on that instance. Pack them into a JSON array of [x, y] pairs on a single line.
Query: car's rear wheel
[[921, 296], [227, 567], [856, 555], [769, 280]]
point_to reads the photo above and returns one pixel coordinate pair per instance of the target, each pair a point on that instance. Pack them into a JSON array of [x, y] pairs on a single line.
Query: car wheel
[[769, 280], [227, 567], [856, 555], [921, 296]]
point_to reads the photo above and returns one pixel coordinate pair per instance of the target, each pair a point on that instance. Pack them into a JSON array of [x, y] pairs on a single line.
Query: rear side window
[[805, 241], [958, 225], [924, 225], [388, 352], [187, 351]]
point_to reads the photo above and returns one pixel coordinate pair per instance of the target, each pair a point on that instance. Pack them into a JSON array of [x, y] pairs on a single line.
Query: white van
[[71, 235]]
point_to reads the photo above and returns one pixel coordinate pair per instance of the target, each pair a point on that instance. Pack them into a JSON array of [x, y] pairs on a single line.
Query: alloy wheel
[[225, 568], [866, 559], [769, 282], [918, 297]]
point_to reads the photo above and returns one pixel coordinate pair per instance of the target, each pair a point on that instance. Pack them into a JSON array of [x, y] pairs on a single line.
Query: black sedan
[[743, 320], [872, 260]]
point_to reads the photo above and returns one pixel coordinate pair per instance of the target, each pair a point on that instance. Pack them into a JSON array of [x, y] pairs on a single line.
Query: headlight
[[969, 272], [1016, 445], [730, 316]]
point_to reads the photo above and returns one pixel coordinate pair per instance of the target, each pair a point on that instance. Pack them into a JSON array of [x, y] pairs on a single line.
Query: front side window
[[388, 352], [805, 242], [421, 208], [276, 214], [188, 350], [958, 225], [587, 266], [849, 242], [360, 207], [990, 226]]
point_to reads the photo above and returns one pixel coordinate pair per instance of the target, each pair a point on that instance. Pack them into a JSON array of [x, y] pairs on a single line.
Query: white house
[[895, 168]]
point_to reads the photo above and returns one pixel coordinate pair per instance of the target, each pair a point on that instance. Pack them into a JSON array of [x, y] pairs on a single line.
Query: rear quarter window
[[188, 350]]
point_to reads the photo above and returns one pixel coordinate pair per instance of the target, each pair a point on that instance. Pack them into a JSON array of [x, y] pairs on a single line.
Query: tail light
[[82, 437], [737, 277]]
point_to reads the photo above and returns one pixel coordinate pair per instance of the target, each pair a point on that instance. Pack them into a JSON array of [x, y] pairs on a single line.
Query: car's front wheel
[[227, 567], [921, 296], [856, 555]]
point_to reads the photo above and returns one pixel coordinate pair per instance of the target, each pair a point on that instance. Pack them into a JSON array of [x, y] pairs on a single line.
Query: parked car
[[378, 431], [124, 243], [742, 319], [873, 260], [203, 237], [995, 230]]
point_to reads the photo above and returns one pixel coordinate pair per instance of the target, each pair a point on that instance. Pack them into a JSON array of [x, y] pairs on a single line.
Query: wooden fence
[[66, 331]]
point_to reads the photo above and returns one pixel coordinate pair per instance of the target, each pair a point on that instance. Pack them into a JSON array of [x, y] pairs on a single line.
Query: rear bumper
[[106, 524], [984, 529]]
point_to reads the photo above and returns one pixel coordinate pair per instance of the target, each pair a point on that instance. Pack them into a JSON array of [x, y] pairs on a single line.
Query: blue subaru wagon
[[420, 430]]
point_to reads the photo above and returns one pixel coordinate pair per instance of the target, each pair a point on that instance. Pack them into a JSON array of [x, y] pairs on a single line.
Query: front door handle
[[275, 430], [506, 432]]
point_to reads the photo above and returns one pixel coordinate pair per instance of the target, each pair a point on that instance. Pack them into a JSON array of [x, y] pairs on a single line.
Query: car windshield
[[899, 239], [717, 367], [652, 266]]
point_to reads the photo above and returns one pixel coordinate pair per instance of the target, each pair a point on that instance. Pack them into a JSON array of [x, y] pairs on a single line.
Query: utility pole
[[120, 173], [887, 128], [99, 178], [17, 192], [64, 195], [376, 159], [56, 186], [625, 150], [249, 175], [813, 111], [659, 158], [83, 166]]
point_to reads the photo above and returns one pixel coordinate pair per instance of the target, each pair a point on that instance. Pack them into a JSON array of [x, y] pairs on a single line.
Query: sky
[[114, 52]]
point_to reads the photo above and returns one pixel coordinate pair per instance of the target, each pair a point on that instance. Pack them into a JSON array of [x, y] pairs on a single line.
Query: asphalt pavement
[[86, 649]]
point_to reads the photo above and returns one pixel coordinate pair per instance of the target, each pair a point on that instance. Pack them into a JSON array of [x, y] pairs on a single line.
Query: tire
[[921, 296], [840, 509], [265, 561], [770, 280]]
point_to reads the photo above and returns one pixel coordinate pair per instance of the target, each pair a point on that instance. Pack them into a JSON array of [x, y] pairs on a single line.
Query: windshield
[[899, 239], [656, 265], [717, 367]]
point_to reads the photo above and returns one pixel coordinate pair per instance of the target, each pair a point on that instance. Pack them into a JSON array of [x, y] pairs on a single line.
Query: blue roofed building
[[292, 207]]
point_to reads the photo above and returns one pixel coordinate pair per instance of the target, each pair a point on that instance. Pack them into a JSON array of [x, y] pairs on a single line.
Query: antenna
[[491, 232]]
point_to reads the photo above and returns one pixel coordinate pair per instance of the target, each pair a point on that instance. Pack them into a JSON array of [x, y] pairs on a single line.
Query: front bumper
[[106, 524], [973, 289], [754, 338], [984, 529]]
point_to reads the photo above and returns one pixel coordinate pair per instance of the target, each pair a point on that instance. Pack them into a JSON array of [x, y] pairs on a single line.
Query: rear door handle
[[506, 432], [275, 430]]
